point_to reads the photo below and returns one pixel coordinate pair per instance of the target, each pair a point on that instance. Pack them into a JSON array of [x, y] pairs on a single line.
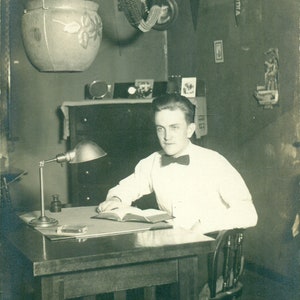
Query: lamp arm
[[61, 158], [41, 175], [42, 220]]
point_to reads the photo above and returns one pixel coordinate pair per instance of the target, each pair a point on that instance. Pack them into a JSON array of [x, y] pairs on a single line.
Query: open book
[[134, 214]]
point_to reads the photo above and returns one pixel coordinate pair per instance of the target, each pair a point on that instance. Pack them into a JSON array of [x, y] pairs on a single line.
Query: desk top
[[53, 257], [81, 215]]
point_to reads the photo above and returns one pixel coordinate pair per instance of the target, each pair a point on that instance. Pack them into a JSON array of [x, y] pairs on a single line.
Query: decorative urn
[[61, 35]]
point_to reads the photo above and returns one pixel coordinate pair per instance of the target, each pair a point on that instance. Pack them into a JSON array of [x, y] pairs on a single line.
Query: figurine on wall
[[271, 74], [267, 95]]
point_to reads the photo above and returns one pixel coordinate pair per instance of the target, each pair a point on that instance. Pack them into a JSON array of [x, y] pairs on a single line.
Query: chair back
[[227, 261]]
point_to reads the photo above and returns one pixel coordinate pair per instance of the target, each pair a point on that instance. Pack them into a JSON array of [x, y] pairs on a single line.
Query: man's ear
[[191, 129]]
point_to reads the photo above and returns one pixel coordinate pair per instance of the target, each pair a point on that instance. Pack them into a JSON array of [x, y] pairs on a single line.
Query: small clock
[[98, 89]]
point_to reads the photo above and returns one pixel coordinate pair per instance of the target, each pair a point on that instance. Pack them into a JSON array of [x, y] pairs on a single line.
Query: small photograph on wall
[[219, 53], [144, 88], [188, 86]]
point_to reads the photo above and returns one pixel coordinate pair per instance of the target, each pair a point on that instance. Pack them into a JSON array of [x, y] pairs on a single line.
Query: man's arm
[[234, 191], [238, 209], [130, 188]]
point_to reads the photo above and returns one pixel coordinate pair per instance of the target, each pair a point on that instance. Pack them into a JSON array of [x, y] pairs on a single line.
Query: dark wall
[[124, 55], [258, 141]]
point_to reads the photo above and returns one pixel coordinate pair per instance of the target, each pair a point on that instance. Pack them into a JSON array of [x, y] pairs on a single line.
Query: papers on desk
[[95, 227]]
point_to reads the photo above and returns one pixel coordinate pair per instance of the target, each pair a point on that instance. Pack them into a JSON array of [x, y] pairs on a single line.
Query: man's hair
[[173, 102]]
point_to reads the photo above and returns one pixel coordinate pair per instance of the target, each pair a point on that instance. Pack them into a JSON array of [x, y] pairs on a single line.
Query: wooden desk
[[69, 268]]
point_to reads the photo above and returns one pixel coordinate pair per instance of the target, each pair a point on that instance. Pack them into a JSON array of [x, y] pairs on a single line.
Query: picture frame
[[144, 88], [188, 86], [218, 50]]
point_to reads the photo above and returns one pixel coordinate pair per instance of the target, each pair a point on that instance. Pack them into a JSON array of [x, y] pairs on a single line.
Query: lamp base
[[43, 221]]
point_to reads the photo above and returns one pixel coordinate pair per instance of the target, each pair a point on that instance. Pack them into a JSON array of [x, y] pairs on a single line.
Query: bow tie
[[182, 160]]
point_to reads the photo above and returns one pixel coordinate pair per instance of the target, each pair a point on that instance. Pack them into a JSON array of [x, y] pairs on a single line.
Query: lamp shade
[[85, 151]]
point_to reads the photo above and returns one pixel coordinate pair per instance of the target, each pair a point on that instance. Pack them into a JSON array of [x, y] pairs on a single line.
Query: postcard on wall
[[188, 86], [144, 88], [219, 53]]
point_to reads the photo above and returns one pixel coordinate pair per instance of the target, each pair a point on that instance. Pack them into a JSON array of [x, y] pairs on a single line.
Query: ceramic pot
[[61, 35]]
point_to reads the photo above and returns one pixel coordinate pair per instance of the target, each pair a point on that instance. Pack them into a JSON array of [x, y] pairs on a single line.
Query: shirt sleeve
[[136, 185], [240, 211], [233, 191]]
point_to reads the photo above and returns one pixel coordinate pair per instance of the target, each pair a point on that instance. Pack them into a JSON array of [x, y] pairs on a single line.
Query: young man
[[197, 186]]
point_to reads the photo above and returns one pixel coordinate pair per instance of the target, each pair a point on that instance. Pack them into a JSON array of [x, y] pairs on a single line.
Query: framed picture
[[218, 49], [144, 88], [188, 86]]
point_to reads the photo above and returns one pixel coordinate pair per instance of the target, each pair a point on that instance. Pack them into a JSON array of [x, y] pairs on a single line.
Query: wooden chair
[[227, 263]]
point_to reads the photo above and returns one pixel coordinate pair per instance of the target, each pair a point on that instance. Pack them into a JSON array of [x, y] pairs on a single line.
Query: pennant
[[194, 4], [237, 11]]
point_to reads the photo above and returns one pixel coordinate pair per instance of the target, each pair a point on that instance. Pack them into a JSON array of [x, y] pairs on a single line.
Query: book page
[[134, 214], [148, 215], [154, 215], [119, 213], [153, 212]]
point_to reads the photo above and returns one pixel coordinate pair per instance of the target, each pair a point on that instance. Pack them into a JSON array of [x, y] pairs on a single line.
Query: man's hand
[[110, 204]]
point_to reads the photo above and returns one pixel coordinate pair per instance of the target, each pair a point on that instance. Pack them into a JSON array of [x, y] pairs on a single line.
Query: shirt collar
[[187, 150]]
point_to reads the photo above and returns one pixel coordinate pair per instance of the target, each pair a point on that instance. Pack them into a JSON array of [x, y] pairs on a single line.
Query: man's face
[[173, 131]]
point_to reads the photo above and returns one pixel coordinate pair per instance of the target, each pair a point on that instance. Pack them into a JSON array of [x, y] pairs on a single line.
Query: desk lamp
[[83, 152]]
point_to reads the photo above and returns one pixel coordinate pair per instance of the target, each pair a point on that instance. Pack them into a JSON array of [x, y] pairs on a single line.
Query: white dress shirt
[[209, 190]]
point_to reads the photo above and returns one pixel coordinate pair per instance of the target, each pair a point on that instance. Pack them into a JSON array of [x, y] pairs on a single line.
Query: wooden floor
[[256, 287]]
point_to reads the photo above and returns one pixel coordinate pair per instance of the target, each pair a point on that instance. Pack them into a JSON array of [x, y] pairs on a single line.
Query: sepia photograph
[[188, 86], [144, 88], [150, 150]]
